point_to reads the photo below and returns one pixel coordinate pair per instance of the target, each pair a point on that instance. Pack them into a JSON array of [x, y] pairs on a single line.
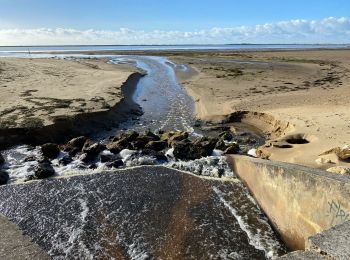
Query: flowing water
[[233, 216]]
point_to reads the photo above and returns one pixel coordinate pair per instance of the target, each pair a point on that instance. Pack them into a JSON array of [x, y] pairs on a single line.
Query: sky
[[55, 22]]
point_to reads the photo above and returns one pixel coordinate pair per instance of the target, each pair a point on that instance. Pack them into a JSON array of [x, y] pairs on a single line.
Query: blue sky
[[163, 21]]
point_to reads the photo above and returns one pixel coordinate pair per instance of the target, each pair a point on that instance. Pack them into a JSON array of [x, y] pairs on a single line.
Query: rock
[[87, 158], [207, 143], [322, 161], [226, 135], [43, 170], [92, 166], [151, 135], [139, 143], [30, 158], [117, 146], [4, 177], [157, 145], [342, 153], [158, 155], [76, 143], [93, 148], [65, 160], [232, 149], [220, 145], [50, 150], [91, 151], [106, 157], [342, 170], [177, 137], [189, 151], [115, 164], [2, 160], [262, 153], [129, 136], [165, 136]]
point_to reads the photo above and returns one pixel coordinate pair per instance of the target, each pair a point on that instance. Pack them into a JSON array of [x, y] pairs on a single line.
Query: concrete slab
[[334, 242], [302, 255], [16, 246]]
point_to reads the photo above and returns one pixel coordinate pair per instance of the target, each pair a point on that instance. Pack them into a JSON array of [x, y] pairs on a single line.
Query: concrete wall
[[299, 201]]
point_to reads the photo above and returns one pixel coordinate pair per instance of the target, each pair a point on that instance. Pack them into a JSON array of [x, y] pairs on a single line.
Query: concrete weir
[[299, 201]]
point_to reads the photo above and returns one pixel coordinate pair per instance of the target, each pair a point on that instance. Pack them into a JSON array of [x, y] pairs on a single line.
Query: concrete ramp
[[140, 213], [299, 201], [16, 246]]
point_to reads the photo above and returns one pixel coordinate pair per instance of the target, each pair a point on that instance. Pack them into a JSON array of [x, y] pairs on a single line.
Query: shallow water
[[166, 106]]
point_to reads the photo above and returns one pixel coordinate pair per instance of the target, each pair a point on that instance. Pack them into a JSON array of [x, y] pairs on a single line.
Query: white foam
[[252, 152], [217, 152], [211, 166], [260, 241], [126, 154], [170, 153]]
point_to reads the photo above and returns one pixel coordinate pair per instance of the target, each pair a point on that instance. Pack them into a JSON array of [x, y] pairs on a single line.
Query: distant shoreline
[[10, 50]]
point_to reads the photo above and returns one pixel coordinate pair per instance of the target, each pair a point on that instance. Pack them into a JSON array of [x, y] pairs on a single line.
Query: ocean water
[[8, 50]]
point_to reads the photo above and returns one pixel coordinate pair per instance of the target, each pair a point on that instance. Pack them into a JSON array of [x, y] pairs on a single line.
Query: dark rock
[[93, 166], [220, 145], [207, 143], [139, 143], [129, 136], [226, 135], [43, 170], [65, 160], [117, 146], [189, 151], [177, 137], [50, 150], [151, 136], [136, 112], [93, 148], [106, 157], [74, 151], [157, 145], [160, 132], [2, 160], [232, 149], [115, 164], [87, 158], [158, 155], [76, 143], [198, 123], [30, 158], [165, 136], [4, 177], [91, 151]]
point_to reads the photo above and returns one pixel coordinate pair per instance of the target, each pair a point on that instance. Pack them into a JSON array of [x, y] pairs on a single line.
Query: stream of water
[[166, 105]]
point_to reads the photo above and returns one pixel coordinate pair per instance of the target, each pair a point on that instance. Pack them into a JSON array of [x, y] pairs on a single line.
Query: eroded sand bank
[[38, 90], [307, 91], [52, 100]]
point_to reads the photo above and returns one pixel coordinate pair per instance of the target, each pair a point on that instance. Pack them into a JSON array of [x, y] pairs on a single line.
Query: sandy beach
[[297, 94], [36, 91]]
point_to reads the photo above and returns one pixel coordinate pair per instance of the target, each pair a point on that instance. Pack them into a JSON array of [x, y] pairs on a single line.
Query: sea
[[9, 50]]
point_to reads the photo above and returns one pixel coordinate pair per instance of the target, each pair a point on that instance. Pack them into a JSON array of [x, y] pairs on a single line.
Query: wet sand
[[294, 92]]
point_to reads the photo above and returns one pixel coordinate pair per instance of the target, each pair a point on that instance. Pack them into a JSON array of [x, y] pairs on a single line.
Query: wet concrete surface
[[140, 213]]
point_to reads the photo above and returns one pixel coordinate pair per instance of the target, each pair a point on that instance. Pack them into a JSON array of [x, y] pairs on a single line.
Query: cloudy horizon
[[330, 30]]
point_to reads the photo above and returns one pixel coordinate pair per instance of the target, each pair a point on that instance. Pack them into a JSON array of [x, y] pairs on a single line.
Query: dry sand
[[295, 92], [35, 91]]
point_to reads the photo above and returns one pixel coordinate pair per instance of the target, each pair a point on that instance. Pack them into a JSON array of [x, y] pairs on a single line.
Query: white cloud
[[328, 30]]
